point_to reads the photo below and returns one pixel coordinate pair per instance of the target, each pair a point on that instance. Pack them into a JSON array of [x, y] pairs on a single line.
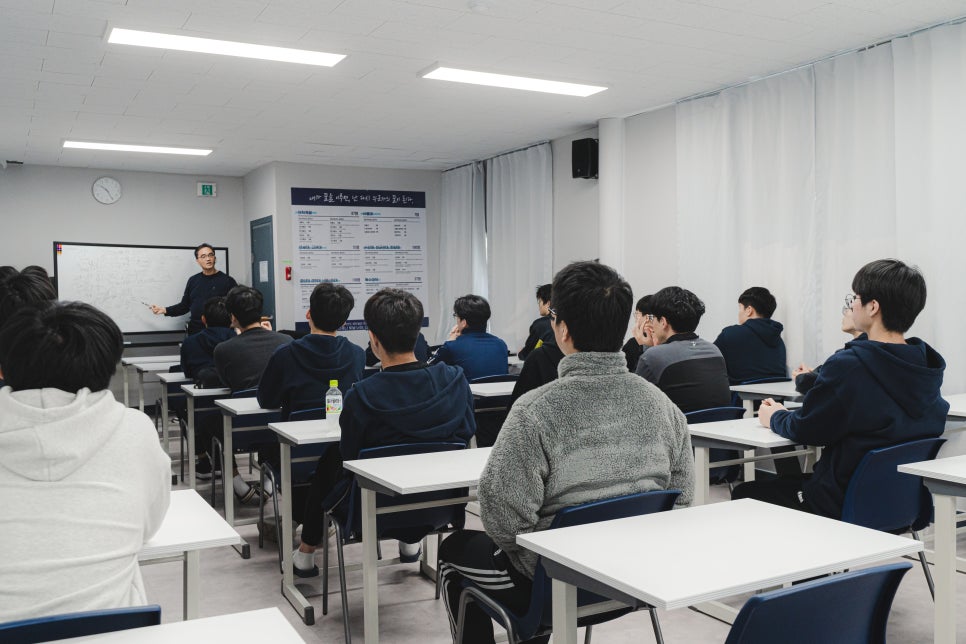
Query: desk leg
[[289, 590], [141, 391], [192, 583], [749, 405], [944, 572], [370, 567], [702, 480], [164, 417], [750, 466], [127, 390], [228, 470], [564, 612], [190, 456]]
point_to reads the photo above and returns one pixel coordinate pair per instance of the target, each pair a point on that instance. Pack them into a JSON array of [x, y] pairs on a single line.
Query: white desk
[[957, 406], [190, 526], [127, 362], [743, 434], [750, 393], [149, 367], [492, 389], [946, 480], [297, 433], [252, 627], [168, 379], [198, 399], [514, 364], [231, 409], [664, 560], [399, 475]]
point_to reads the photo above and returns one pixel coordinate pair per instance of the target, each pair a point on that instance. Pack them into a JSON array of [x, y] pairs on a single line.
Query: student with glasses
[[874, 393], [201, 287]]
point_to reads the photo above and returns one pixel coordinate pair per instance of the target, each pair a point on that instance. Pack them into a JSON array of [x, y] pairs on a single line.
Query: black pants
[[309, 499], [787, 493], [472, 555]]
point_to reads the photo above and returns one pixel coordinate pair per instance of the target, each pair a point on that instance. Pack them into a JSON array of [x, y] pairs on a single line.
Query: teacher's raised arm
[[209, 283]]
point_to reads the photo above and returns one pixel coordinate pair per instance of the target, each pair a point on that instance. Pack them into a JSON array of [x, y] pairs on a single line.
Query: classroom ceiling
[[60, 79]]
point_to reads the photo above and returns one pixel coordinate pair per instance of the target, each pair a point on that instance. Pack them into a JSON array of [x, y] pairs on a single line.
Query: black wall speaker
[[584, 158]]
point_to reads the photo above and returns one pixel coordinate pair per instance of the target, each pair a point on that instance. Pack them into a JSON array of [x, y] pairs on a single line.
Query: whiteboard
[[119, 279]]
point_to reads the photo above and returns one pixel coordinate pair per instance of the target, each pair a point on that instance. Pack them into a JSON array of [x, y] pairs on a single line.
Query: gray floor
[[409, 612]]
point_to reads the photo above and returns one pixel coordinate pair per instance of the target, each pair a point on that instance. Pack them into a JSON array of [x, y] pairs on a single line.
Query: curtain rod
[[857, 50], [501, 154]]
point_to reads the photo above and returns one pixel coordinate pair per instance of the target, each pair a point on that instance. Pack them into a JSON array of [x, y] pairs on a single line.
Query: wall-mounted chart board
[[120, 279]]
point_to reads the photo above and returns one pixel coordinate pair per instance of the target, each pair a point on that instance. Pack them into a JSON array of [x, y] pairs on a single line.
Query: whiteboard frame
[[191, 248]]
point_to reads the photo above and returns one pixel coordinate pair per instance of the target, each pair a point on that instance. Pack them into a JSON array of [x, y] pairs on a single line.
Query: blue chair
[[538, 619], [851, 607], [490, 412], [409, 526], [56, 627], [729, 473], [304, 460], [882, 498]]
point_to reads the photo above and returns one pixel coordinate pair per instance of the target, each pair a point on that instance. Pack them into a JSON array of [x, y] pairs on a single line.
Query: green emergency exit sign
[[206, 189]]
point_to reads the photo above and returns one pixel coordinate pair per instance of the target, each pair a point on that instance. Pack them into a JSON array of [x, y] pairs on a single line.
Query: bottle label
[[333, 405]]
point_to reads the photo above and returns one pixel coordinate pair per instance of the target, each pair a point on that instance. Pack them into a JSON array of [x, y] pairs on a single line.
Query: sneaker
[[203, 469], [409, 552], [304, 572], [251, 495]]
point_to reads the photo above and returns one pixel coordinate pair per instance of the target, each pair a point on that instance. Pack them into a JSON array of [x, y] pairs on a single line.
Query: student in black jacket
[[198, 350], [874, 393], [753, 348], [540, 330]]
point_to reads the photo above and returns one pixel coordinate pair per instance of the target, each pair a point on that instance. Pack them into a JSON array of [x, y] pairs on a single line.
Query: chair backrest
[[539, 613], [412, 525], [508, 377], [882, 498], [851, 607], [764, 381], [714, 414], [245, 393], [316, 413], [56, 627]]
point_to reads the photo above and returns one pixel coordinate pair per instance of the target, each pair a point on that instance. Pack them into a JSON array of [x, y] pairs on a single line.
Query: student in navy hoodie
[[198, 350], [753, 348], [469, 345], [298, 374], [874, 393], [408, 401]]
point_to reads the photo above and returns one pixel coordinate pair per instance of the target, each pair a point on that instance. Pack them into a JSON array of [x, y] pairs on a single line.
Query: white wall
[[296, 175], [43, 204], [574, 206]]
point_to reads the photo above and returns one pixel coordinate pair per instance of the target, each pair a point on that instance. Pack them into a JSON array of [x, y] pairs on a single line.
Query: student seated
[[408, 401], [469, 345], [83, 480], [539, 368], [753, 348], [540, 331], [21, 290], [595, 433], [239, 362], [873, 393], [421, 351], [639, 341], [198, 350], [690, 370], [298, 374], [804, 377]]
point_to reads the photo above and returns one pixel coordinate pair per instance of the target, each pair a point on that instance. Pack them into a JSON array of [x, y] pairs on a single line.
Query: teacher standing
[[209, 283]]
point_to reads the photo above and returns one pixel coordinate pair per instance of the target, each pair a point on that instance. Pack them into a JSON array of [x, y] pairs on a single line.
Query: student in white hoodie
[[83, 480]]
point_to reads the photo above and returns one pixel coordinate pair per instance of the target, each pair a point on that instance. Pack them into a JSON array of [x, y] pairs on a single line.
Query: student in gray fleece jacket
[[595, 433]]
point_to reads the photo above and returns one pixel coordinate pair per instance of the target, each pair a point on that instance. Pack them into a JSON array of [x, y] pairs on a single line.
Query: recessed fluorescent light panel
[[512, 82], [118, 147], [222, 47]]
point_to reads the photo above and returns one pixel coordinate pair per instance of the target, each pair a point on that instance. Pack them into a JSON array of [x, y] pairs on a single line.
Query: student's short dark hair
[[245, 303], [21, 290], [394, 316], [543, 292], [330, 305], [643, 305], [66, 345], [899, 289], [6, 272], [759, 298], [680, 307], [595, 302], [216, 312], [38, 271], [474, 309], [203, 245]]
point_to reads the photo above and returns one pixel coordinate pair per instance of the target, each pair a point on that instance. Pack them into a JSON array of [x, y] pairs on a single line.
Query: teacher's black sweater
[[199, 289]]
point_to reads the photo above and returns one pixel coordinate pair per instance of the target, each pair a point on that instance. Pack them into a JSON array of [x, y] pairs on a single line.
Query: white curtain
[[520, 235], [746, 200], [930, 133], [462, 248]]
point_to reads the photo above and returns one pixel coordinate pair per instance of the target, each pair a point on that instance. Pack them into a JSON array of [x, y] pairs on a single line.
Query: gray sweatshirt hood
[[46, 434]]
